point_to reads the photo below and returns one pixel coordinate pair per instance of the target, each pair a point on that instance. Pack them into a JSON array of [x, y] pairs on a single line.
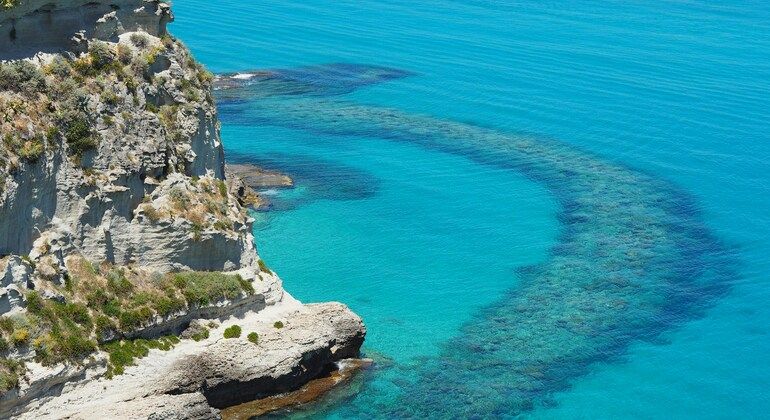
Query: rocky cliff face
[[29, 27], [116, 218]]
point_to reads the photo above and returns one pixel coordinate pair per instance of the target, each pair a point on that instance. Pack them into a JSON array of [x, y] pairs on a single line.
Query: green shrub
[[34, 302], [74, 312], [165, 305], [139, 40], [125, 55], [202, 335], [80, 136], [52, 134], [117, 282], [104, 327], [245, 285], [253, 337], [72, 346], [222, 188], [278, 324], [22, 76], [132, 319], [59, 67], [223, 225], [6, 324], [10, 370], [197, 231], [123, 353], [232, 332], [4, 346], [102, 55]]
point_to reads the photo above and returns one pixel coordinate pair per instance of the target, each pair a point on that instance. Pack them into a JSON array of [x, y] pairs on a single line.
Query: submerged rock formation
[[118, 225], [633, 260]]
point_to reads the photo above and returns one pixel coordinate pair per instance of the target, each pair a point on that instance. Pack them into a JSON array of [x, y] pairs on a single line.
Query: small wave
[[243, 76]]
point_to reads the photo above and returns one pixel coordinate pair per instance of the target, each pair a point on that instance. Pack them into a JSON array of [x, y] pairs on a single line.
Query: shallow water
[[611, 262]]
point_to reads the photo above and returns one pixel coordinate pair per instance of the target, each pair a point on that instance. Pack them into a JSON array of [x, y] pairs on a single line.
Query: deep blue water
[[540, 210]]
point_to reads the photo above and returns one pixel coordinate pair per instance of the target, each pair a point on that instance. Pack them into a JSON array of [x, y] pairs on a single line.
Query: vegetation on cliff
[[204, 202], [67, 100], [98, 306]]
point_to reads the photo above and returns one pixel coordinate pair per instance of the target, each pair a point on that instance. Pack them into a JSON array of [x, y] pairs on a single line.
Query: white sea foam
[[243, 76]]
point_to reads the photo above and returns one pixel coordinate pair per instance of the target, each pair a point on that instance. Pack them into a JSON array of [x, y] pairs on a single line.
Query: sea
[[541, 210]]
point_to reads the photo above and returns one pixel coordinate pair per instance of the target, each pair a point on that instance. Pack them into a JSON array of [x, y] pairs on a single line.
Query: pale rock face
[[96, 212], [55, 26], [16, 276]]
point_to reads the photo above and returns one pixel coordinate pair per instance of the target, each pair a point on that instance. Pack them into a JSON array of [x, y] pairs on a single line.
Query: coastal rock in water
[[256, 177], [245, 179]]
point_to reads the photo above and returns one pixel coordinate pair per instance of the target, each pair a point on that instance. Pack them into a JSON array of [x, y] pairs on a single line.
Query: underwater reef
[[633, 259]]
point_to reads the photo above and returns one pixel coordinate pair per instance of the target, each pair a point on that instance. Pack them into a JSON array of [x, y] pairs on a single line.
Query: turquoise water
[[551, 211]]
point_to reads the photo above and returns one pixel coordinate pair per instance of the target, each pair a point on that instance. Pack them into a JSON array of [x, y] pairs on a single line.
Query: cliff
[[118, 224]]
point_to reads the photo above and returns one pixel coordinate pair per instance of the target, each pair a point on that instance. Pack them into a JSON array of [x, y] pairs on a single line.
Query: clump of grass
[[278, 324], [123, 353], [203, 287], [222, 188], [23, 77], [233, 331], [139, 40], [153, 214], [20, 337], [201, 335], [263, 267], [79, 136], [32, 149], [10, 371], [253, 337]]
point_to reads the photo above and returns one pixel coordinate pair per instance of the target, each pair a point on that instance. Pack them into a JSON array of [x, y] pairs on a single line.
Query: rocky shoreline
[[196, 379], [342, 372]]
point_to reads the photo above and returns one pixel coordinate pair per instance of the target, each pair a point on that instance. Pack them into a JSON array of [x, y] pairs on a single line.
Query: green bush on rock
[[79, 136], [233, 331]]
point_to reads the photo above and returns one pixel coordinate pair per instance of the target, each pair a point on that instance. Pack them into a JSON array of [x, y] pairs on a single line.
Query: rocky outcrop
[[196, 379], [256, 177], [249, 180]]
